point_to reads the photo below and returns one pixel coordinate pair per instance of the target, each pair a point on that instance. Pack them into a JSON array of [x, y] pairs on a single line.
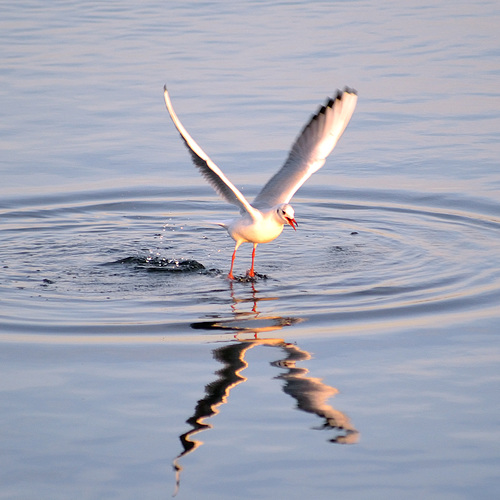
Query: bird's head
[[286, 215]]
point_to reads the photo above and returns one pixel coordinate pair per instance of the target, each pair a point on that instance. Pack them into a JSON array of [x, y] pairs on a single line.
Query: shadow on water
[[310, 393]]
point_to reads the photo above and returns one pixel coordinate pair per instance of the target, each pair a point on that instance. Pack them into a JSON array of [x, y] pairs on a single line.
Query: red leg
[[251, 272], [230, 275]]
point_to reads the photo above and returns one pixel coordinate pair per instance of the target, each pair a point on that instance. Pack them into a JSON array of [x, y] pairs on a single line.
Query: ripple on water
[[99, 261]]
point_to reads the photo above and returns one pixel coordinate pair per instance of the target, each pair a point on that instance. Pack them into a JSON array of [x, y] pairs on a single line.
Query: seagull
[[263, 220]]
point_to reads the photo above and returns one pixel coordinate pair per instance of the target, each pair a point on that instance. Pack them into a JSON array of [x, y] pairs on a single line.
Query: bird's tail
[[223, 224]]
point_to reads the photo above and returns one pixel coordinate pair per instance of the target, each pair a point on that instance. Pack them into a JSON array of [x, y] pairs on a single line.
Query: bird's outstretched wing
[[309, 152], [212, 173]]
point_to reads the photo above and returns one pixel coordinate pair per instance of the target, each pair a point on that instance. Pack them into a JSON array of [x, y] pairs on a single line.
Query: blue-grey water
[[364, 360]]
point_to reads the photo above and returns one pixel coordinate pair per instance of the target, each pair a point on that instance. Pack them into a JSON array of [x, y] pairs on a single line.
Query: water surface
[[363, 361]]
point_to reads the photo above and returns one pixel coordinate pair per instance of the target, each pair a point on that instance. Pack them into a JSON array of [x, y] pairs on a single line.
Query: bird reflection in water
[[310, 393]]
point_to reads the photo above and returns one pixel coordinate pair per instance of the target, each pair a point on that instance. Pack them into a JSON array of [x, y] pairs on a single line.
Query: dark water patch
[[159, 264]]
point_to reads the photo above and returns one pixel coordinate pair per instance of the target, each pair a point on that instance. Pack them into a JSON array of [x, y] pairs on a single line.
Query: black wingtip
[[340, 93], [165, 88], [350, 90]]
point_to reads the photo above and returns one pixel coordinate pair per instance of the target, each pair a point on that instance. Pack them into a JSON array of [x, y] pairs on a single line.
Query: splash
[[160, 264]]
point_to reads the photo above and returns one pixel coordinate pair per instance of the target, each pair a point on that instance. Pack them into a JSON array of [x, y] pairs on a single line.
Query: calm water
[[364, 360]]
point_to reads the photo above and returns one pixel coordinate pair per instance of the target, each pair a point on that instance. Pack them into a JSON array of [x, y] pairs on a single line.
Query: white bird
[[263, 220]]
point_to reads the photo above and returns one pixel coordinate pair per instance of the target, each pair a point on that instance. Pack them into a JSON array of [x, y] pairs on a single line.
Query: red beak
[[292, 223]]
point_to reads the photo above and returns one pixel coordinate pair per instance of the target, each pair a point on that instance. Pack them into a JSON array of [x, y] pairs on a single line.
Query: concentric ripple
[[99, 262]]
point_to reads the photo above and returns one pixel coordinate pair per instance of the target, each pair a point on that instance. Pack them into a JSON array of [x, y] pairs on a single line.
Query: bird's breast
[[263, 230]]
